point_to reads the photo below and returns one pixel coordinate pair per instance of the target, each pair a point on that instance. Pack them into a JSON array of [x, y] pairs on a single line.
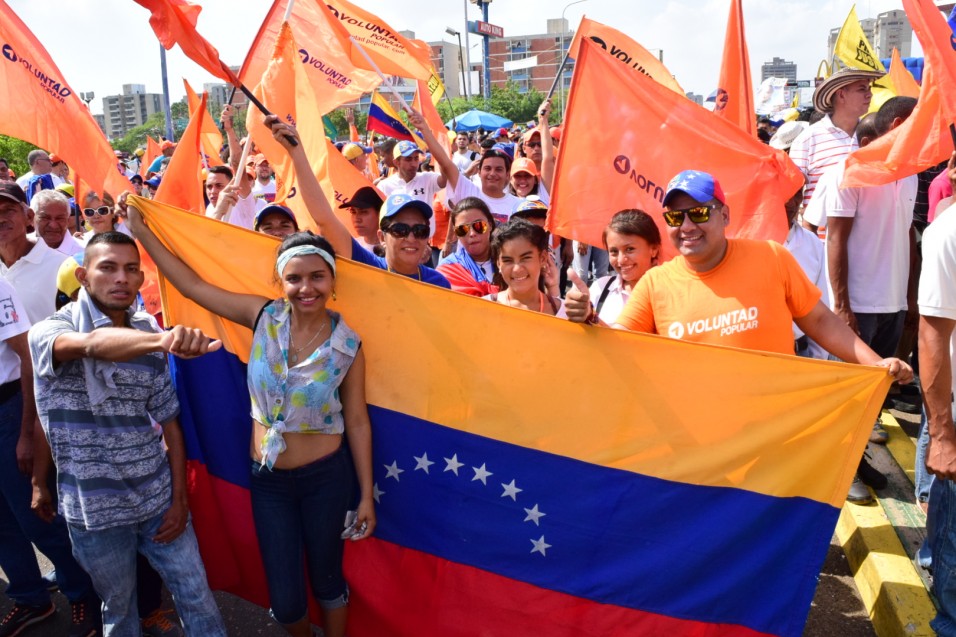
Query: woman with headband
[[306, 379]]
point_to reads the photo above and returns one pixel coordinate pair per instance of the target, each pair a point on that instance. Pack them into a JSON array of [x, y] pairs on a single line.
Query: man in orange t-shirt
[[736, 292]]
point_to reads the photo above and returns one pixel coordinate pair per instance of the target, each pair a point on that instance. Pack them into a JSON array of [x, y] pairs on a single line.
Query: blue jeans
[[942, 539], [299, 515], [109, 555], [590, 266], [924, 483], [19, 527]]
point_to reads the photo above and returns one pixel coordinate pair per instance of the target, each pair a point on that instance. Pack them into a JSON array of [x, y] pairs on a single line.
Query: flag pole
[[380, 74], [557, 76]]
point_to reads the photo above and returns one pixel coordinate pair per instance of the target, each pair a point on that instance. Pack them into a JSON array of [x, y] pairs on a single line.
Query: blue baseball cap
[[405, 149], [398, 202], [153, 182], [273, 209], [696, 184]]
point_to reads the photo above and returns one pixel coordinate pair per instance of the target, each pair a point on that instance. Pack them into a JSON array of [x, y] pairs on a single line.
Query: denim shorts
[[299, 516]]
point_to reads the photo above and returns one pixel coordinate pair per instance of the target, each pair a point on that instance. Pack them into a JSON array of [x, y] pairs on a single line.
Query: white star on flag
[[452, 464], [540, 546], [682, 184], [422, 462], [534, 515], [377, 493], [481, 474], [393, 470], [511, 491]]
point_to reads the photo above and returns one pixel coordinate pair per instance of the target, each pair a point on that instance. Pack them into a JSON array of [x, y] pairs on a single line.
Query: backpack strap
[[604, 293]]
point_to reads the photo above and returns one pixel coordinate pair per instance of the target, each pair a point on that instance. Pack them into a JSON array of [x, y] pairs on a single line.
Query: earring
[[333, 295]]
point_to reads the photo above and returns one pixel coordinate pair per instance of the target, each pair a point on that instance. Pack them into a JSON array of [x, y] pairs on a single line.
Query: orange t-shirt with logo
[[747, 301]]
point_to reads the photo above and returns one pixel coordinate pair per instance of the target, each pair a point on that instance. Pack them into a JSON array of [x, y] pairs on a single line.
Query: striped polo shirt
[[817, 148], [110, 459]]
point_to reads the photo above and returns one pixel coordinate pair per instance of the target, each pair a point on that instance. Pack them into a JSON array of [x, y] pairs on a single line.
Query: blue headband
[[299, 251]]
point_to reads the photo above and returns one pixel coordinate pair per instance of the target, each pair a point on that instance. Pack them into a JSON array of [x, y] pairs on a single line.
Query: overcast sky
[[99, 45]]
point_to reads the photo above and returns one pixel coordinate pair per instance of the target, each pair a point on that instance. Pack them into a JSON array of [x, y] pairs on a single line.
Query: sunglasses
[[102, 211], [480, 227], [402, 230], [697, 214], [533, 144]]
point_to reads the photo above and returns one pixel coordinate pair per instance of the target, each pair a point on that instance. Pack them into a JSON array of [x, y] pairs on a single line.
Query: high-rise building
[[893, 30], [531, 61], [125, 112], [445, 58], [778, 67], [219, 94], [696, 98]]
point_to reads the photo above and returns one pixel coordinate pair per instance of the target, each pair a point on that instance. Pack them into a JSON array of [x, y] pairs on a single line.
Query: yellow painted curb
[[892, 592], [900, 446]]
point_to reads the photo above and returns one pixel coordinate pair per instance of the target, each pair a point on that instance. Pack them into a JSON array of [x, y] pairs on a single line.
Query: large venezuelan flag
[[651, 487]]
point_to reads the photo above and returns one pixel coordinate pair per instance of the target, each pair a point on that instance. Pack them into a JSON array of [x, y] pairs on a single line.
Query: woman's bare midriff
[[301, 449]]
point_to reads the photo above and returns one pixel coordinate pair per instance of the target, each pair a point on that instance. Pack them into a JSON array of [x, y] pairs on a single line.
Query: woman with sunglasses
[[99, 217], [633, 244], [469, 268], [403, 221], [525, 268], [306, 380]]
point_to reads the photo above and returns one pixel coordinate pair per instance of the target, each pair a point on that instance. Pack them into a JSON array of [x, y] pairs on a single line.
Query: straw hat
[[789, 131], [823, 96]]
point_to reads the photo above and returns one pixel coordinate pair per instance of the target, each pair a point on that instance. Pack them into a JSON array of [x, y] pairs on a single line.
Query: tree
[[15, 152], [508, 102]]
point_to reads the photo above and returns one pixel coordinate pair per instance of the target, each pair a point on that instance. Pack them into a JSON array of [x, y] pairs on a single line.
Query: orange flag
[[152, 152], [923, 140], [210, 137], [340, 180], [735, 91], [174, 22], [182, 184], [656, 134], [903, 82], [38, 106], [423, 104], [623, 48]]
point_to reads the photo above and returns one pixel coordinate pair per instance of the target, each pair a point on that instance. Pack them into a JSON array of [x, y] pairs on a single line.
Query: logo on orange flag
[[623, 48], [38, 106], [735, 92], [656, 134]]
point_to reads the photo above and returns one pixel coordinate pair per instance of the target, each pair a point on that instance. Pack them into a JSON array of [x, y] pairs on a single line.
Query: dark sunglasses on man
[[697, 214], [401, 230]]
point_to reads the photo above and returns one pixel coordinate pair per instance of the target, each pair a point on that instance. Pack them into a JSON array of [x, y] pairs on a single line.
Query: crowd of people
[[81, 357]]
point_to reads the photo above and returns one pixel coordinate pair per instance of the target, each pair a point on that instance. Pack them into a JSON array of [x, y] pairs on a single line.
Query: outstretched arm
[[238, 308], [547, 145], [310, 190], [447, 166]]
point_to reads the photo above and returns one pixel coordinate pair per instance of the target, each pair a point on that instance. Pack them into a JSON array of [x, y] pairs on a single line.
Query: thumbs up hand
[[577, 302]]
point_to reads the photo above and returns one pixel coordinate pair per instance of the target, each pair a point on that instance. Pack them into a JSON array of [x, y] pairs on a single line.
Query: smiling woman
[[306, 381]]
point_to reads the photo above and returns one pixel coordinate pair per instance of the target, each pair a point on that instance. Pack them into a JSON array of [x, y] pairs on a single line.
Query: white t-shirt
[[69, 246], [423, 187], [464, 162], [33, 276], [615, 300], [878, 249], [13, 322], [810, 253], [264, 192], [501, 208], [937, 283], [243, 214]]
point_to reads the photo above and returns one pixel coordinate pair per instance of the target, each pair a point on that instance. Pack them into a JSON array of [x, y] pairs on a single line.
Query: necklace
[[294, 356]]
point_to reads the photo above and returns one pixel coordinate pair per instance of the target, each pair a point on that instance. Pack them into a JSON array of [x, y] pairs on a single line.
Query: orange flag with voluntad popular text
[[735, 91], [923, 140], [656, 134], [38, 106], [152, 152], [174, 22], [210, 137], [182, 184], [624, 49]]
